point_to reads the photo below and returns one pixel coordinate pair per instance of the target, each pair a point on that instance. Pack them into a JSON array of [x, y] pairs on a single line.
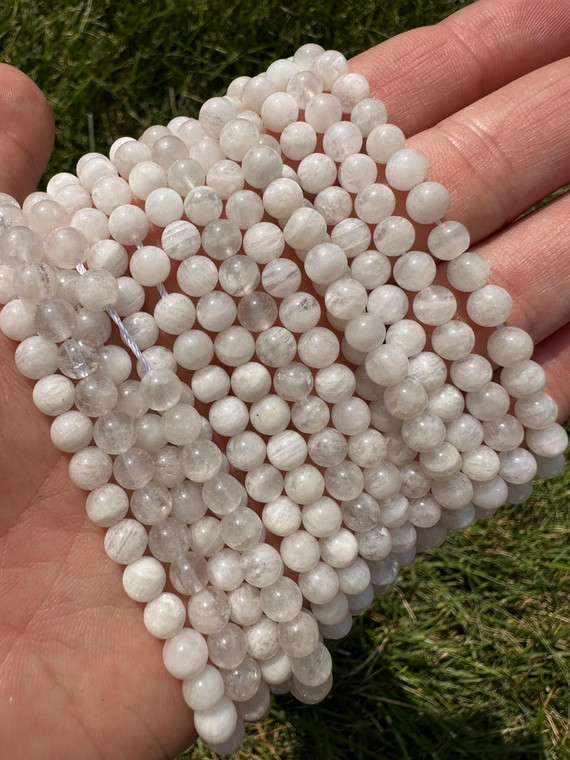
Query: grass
[[468, 656]]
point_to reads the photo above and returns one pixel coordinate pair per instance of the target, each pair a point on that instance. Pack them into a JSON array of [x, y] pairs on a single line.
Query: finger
[[554, 356], [501, 155], [26, 132], [427, 74], [530, 260]]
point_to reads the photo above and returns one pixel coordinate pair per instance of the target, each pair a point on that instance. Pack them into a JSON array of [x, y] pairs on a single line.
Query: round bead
[[125, 541], [54, 395], [185, 654], [427, 202], [406, 168], [468, 272], [164, 615]]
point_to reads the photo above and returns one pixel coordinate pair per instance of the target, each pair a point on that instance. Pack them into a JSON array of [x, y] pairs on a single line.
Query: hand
[[485, 96]]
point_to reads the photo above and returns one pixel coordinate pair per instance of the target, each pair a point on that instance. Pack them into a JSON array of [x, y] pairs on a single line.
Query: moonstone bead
[[518, 466], [168, 471], [71, 431], [465, 432], [415, 482], [149, 265], [536, 411], [239, 275], [468, 272], [406, 168], [125, 541], [387, 365], [237, 136], [151, 504], [453, 340], [107, 505], [434, 305], [281, 516], [17, 320], [282, 600], [508, 346], [204, 690], [115, 432], [241, 529], [441, 462], [423, 432], [130, 298], [185, 654], [250, 382], [471, 373], [454, 493], [209, 610], [407, 335], [299, 637], [523, 379], [242, 682], [144, 579], [481, 463], [446, 401], [90, 468], [489, 306], [382, 481], [227, 648], [300, 551], [304, 484], [389, 303], [304, 229], [261, 565], [406, 399], [548, 467], [54, 395], [245, 605], [374, 544], [427, 202], [36, 357], [164, 616], [298, 140], [55, 320], [133, 469], [327, 447]]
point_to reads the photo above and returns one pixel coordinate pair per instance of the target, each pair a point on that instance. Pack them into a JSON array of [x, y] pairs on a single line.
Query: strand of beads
[[298, 429]]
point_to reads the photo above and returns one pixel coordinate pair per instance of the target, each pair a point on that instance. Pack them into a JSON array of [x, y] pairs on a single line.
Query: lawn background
[[468, 656]]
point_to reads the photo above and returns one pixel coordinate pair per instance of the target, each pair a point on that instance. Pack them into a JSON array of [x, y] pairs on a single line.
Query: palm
[[74, 651]]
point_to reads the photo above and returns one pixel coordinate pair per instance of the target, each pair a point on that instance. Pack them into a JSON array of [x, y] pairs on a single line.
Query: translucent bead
[[304, 484], [489, 402], [303, 86], [481, 463], [244, 208], [517, 466], [71, 431], [389, 303], [441, 462], [454, 493], [242, 682], [261, 165], [504, 433], [334, 204], [446, 401], [254, 709], [251, 382], [310, 415], [128, 224], [536, 411], [110, 192], [405, 169], [300, 551], [185, 654], [281, 197], [144, 579], [357, 172], [468, 272], [351, 416], [342, 139], [36, 357], [130, 298], [352, 235], [407, 335], [168, 149], [465, 432], [434, 305], [350, 89], [489, 306], [189, 573], [374, 544], [241, 529], [276, 346], [149, 265], [387, 365], [300, 636], [282, 517], [227, 648], [115, 432], [225, 177], [448, 240], [125, 541], [548, 467], [490, 494], [339, 549], [281, 277], [453, 340], [237, 137], [245, 605], [304, 229], [129, 154], [318, 348], [508, 346], [261, 565], [201, 460], [279, 71], [345, 298], [161, 388], [427, 202], [133, 469], [270, 415], [298, 140], [278, 110], [471, 373], [282, 600], [316, 172], [423, 432], [164, 616], [523, 379], [209, 610], [406, 399], [312, 695], [205, 690], [215, 311], [54, 320], [327, 447]]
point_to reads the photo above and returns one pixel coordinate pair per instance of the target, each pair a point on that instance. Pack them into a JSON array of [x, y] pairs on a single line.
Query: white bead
[[508, 346], [90, 468], [316, 172], [549, 441], [164, 615], [163, 206], [394, 235], [304, 229], [350, 89], [465, 432], [71, 431], [36, 357], [225, 177], [261, 165], [286, 450], [481, 463], [357, 172], [441, 462], [298, 140], [334, 204], [371, 269], [278, 110], [339, 549], [387, 365], [319, 347], [263, 242], [185, 654], [125, 542], [245, 208], [280, 72], [342, 140], [204, 690], [471, 373], [54, 395], [468, 272], [453, 340], [448, 240], [523, 379], [536, 411], [489, 306], [108, 255], [427, 202], [374, 202], [517, 466], [304, 484], [352, 235], [406, 168], [128, 225], [144, 579]]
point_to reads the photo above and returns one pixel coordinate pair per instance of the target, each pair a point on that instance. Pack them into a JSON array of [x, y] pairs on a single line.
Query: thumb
[[26, 132]]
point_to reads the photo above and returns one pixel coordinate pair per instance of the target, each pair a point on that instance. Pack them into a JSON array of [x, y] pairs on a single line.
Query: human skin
[[79, 674]]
